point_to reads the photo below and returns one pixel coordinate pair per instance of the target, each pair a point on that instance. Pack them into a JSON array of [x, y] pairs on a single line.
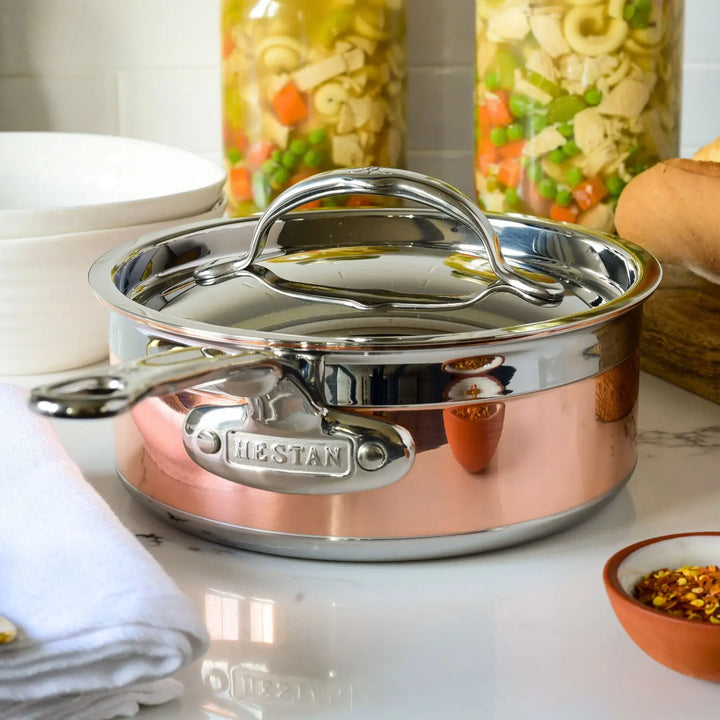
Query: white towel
[[101, 626]]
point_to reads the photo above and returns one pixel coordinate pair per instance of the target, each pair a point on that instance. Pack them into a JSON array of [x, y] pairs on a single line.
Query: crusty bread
[[709, 152], [673, 210]]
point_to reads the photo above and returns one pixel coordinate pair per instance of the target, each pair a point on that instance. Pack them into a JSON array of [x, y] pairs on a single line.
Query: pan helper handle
[[114, 390], [406, 185]]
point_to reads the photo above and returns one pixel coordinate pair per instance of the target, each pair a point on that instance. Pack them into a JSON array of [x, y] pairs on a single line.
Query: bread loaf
[[673, 210]]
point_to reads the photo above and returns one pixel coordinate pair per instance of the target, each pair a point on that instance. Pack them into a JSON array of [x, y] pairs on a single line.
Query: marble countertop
[[526, 632]]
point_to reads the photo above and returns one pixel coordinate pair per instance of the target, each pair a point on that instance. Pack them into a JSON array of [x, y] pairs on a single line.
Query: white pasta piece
[[540, 62], [544, 142], [589, 129], [586, 71], [598, 159], [361, 108], [378, 112], [366, 45], [627, 99], [313, 75], [275, 83], [347, 151], [354, 60], [510, 23], [346, 120], [599, 217], [275, 130], [494, 201], [548, 32]]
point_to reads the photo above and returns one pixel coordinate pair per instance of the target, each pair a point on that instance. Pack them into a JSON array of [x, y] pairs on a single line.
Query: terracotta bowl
[[474, 440], [690, 647]]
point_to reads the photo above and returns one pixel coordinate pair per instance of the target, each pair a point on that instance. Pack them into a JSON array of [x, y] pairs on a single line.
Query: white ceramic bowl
[[50, 320], [52, 183]]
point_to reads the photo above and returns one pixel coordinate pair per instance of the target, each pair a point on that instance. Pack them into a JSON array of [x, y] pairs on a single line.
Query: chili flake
[[691, 592], [482, 411], [472, 363]]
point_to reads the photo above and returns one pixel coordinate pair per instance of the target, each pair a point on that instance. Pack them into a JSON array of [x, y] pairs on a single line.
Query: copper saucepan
[[370, 384]]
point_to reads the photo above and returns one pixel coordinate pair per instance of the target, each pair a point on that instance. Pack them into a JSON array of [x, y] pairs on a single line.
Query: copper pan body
[[552, 455]]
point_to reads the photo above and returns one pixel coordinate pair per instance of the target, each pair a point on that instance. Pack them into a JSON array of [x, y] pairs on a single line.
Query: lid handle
[[403, 184]]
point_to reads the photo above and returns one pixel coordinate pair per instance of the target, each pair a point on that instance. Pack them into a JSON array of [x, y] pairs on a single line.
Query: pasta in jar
[[573, 99], [310, 86]]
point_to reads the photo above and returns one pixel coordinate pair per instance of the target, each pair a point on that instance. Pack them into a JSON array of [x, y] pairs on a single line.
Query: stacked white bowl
[[65, 199]]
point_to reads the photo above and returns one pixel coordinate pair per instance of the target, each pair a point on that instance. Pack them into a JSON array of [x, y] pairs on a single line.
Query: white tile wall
[[149, 69]]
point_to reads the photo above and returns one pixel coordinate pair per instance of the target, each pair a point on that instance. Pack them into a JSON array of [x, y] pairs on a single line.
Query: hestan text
[[287, 454]]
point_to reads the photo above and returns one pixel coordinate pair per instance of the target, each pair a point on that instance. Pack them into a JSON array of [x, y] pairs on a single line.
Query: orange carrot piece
[[289, 105], [487, 155], [589, 192], [498, 108], [483, 119], [512, 149], [240, 184], [509, 172], [564, 214]]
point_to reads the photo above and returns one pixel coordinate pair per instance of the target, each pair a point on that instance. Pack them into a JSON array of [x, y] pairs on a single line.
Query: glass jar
[[573, 98], [310, 86]]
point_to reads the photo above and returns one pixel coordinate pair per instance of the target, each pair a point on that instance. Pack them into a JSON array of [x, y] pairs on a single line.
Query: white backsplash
[[149, 69]]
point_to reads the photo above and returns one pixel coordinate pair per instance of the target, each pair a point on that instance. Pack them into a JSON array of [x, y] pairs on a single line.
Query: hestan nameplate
[[331, 457]]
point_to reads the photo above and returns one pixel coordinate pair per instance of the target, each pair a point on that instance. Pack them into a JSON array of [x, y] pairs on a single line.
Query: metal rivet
[[371, 456], [208, 442]]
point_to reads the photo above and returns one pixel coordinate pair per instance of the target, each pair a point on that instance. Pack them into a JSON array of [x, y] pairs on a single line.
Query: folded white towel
[[101, 626]]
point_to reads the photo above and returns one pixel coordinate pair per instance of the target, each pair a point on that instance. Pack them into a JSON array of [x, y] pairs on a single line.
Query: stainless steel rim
[[341, 549]]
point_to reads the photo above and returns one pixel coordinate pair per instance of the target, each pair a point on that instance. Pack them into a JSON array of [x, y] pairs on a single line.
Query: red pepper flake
[[691, 592]]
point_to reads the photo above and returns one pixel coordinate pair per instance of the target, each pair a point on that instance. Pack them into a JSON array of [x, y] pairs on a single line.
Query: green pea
[[279, 178], [524, 161], [234, 156], [629, 12], [547, 188], [519, 105], [492, 81], [268, 167], [557, 156], [317, 136], [566, 129], [515, 131], [537, 124], [574, 177], [615, 185], [535, 172], [313, 158], [593, 96], [511, 196], [289, 160], [276, 156], [570, 148], [563, 197], [298, 146], [498, 136]]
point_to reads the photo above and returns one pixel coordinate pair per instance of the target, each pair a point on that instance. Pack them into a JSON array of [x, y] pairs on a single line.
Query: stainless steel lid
[[377, 279]]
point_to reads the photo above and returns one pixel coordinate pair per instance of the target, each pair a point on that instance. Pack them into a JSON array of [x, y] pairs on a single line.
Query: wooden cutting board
[[680, 340]]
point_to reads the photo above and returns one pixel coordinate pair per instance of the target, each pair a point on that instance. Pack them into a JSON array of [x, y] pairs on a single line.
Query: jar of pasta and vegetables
[[573, 99], [310, 86]]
